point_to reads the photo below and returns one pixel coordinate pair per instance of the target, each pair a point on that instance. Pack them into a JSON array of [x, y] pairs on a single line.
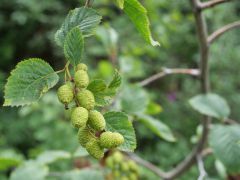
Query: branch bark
[[167, 71], [215, 35], [212, 3], [204, 80]]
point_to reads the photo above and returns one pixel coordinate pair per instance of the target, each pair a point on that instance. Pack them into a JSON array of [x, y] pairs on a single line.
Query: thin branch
[[222, 30], [148, 165], [87, 3], [201, 168], [212, 3], [167, 71]]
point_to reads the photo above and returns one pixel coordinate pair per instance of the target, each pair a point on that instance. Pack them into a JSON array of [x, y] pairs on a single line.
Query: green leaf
[[30, 170], [28, 82], [86, 174], [73, 46], [103, 93], [98, 87], [134, 100], [109, 38], [86, 19], [118, 122], [120, 3], [223, 140], [138, 14], [48, 157], [157, 127], [9, 158], [116, 81], [153, 108], [211, 104]]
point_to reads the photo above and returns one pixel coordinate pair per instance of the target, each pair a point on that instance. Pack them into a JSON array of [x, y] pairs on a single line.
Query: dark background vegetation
[[27, 30]]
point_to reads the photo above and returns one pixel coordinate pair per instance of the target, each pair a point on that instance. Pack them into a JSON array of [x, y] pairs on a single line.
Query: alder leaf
[[157, 127], [224, 142], [138, 15], [28, 82], [211, 104], [86, 19], [73, 46], [120, 3]]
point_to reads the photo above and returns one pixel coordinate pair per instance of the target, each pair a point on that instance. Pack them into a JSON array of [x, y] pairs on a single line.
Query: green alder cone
[[81, 79], [116, 173], [86, 99], [84, 136], [82, 66], [79, 117], [117, 157], [133, 166], [111, 140], [96, 120], [124, 166], [94, 149], [65, 94], [110, 162], [124, 178], [132, 176]]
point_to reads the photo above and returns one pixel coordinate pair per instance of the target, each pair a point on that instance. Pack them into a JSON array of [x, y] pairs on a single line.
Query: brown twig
[[205, 87], [212, 3], [87, 3], [222, 30], [167, 71]]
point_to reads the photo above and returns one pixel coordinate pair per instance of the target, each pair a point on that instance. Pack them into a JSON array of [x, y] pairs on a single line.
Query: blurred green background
[[27, 29]]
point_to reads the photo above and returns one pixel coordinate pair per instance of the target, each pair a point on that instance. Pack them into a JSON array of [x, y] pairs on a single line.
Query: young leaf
[[116, 81], [157, 127], [30, 79], [118, 122], [120, 3], [224, 142], [103, 92], [98, 87], [138, 14], [73, 46], [211, 104], [86, 19]]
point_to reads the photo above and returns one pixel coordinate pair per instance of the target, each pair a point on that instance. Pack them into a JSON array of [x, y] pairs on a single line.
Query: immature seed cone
[[133, 166], [116, 173], [124, 178], [96, 120], [124, 166], [132, 176], [117, 157], [82, 66], [84, 136], [79, 117], [81, 79], [94, 149], [110, 162], [86, 99], [65, 94], [111, 140]]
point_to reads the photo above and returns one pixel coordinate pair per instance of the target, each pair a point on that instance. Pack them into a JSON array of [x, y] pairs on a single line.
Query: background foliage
[[27, 30]]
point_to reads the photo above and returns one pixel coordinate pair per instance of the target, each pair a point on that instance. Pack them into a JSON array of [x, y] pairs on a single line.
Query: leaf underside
[[138, 15]]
